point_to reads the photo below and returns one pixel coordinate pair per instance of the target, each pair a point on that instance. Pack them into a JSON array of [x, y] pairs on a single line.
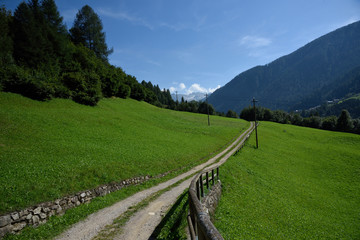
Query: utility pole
[[207, 104], [255, 122], [177, 101]]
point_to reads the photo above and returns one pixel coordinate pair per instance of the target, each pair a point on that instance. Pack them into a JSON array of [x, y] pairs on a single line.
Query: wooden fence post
[[207, 180], [201, 186], [213, 177], [197, 189]]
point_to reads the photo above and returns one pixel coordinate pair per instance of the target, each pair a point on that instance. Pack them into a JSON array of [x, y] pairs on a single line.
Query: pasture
[[51, 149], [301, 183]]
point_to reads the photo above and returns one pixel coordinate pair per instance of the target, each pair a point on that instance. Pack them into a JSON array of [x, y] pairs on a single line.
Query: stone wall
[[15, 221], [211, 200]]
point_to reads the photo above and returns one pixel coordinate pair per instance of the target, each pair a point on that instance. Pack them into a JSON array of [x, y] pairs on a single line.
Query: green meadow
[[50, 149], [301, 183]]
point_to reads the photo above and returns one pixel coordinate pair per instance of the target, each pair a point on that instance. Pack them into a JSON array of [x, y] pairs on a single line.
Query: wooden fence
[[200, 225]]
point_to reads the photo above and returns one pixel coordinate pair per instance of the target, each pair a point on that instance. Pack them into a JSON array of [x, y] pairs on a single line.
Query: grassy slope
[[301, 183], [49, 149]]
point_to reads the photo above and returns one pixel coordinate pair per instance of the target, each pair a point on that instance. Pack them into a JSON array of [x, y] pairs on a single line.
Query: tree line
[[343, 122], [41, 59]]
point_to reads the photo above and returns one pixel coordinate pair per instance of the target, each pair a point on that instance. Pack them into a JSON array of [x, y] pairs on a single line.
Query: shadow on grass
[[173, 224]]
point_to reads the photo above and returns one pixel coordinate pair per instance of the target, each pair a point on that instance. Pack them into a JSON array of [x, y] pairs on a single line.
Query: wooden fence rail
[[200, 226]]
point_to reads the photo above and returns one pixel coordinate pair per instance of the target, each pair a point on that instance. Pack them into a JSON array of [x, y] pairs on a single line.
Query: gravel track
[[143, 223]]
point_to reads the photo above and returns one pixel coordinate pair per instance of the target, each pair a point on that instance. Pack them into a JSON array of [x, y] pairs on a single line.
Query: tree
[[29, 42], [39, 35], [313, 122], [88, 30], [231, 114], [296, 119], [5, 39], [203, 108], [329, 123], [124, 91], [267, 116], [356, 123], [344, 122], [247, 114], [56, 32], [5, 45]]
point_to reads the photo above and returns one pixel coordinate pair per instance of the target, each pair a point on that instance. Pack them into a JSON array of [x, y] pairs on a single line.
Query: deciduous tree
[[344, 122]]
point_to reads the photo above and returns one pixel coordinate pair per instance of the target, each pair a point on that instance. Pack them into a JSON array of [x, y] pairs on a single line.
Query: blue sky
[[200, 45]]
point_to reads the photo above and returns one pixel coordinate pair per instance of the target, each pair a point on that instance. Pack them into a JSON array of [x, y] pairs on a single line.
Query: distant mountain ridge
[[288, 82], [195, 96]]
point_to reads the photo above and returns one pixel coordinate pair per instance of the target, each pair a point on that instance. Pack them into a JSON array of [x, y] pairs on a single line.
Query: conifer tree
[[35, 40], [88, 30], [56, 32], [5, 39]]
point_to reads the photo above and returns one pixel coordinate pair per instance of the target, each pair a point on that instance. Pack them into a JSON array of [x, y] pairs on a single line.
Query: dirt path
[[143, 223], [147, 218]]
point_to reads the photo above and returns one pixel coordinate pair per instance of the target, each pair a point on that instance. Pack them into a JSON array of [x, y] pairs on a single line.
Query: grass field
[[301, 183], [50, 149]]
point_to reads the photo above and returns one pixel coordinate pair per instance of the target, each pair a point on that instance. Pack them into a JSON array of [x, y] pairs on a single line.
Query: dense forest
[[41, 59]]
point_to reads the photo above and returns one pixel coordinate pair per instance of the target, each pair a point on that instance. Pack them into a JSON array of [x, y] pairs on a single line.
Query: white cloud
[[182, 86], [196, 88], [254, 41], [179, 87], [211, 90]]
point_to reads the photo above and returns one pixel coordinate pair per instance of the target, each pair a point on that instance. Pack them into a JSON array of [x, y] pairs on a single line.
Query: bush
[[150, 96], [329, 123], [123, 91], [313, 122], [84, 86], [110, 83], [356, 123], [34, 86], [231, 114], [137, 92], [296, 119]]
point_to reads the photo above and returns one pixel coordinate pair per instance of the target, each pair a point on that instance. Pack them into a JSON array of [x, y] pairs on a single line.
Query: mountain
[[336, 94], [196, 96], [291, 80]]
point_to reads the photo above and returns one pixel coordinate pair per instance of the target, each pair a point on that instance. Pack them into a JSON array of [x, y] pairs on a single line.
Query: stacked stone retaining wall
[[33, 216], [211, 200]]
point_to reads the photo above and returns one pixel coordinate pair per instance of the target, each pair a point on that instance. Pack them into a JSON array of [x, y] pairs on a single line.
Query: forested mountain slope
[[285, 82]]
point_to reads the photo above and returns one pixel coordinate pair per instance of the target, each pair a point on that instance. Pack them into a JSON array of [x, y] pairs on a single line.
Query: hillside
[[283, 83], [341, 94], [50, 149], [301, 183]]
